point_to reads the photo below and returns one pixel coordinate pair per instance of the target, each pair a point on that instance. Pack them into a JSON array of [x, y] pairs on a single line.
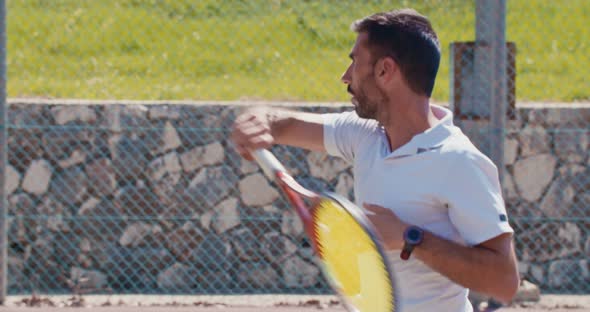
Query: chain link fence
[[152, 198], [547, 144], [144, 199]]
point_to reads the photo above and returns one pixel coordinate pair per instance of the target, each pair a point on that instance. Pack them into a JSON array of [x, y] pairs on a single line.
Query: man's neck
[[408, 119]]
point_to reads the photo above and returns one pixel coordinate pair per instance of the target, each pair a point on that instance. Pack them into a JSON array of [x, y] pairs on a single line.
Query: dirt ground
[[237, 309], [257, 303]]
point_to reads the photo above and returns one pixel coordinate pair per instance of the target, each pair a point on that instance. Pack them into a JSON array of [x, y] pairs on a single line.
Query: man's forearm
[[484, 270], [298, 129]]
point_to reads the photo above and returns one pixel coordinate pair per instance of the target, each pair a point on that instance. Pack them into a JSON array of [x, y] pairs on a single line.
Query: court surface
[[244, 303], [240, 309]]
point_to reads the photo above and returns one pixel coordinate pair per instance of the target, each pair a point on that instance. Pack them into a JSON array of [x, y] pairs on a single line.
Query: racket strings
[[351, 259]]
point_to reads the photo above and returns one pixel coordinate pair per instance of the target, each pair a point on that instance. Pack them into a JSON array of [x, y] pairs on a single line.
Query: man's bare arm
[[489, 268], [263, 127], [300, 129]]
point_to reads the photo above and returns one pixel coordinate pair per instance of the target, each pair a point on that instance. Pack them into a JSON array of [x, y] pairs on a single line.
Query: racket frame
[[359, 216], [275, 171]]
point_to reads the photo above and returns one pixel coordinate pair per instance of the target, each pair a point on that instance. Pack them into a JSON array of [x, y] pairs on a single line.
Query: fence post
[[3, 151], [490, 69]]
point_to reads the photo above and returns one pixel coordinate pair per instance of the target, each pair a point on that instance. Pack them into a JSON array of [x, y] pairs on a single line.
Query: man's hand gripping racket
[[348, 248]]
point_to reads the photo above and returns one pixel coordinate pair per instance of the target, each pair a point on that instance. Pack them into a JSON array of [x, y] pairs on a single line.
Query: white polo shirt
[[438, 181]]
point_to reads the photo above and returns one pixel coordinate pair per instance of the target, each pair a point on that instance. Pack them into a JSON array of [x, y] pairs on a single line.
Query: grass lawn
[[260, 49]]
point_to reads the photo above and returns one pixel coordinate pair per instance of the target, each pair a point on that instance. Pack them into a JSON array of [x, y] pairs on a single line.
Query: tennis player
[[434, 198]]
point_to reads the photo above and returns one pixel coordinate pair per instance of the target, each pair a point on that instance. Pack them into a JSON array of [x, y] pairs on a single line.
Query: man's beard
[[364, 107]]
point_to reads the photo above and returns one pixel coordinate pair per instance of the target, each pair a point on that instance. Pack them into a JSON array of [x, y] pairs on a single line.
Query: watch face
[[414, 235]]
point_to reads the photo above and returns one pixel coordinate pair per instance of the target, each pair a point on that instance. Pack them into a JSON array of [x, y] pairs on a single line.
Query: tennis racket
[[348, 248]]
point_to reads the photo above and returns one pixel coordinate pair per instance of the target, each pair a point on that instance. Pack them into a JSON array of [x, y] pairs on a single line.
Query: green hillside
[[260, 49]]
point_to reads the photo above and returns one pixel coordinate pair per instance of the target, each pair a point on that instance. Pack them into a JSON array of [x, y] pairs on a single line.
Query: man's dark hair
[[408, 38]]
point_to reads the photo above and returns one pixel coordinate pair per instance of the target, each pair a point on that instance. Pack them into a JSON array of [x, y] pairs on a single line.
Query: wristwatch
[[413, 237]]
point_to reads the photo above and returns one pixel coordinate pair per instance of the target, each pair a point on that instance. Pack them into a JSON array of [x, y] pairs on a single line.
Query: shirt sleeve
[[475, 202], [343, 133]]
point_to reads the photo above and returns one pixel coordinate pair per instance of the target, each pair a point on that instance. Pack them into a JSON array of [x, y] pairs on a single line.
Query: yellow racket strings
[[352, 260]]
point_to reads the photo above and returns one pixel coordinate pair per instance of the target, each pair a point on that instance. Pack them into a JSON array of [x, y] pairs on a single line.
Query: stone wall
[[153, 198], [547, 191], [548, 187]]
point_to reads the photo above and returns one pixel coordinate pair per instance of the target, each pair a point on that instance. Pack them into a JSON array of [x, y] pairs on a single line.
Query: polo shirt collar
[[431, 139]]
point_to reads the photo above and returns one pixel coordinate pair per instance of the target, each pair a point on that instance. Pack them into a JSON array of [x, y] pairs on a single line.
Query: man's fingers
[[254, 129], [263, 140], [253, 137], [251, 131], [245, 153], [247, 156], [373, 207], [254, 141], [244, 117]]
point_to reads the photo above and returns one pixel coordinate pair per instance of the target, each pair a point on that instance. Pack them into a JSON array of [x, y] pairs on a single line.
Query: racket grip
[[268, 162]]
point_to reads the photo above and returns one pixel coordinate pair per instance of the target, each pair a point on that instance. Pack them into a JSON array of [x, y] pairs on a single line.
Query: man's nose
[[346, 76]]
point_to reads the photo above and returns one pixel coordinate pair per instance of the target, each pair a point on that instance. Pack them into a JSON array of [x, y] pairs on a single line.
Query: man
[[434, 198]]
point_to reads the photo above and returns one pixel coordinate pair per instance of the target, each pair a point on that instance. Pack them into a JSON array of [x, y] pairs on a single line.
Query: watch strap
[[406, 251], [411, 241]]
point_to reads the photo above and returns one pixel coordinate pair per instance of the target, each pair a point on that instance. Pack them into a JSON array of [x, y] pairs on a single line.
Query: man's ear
[[385, 69]]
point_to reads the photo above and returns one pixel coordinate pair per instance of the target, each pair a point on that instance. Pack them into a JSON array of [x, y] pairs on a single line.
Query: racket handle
[[268, 162]]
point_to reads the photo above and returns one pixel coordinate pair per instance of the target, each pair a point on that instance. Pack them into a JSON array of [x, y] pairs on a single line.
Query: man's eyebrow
[[351, 55]]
